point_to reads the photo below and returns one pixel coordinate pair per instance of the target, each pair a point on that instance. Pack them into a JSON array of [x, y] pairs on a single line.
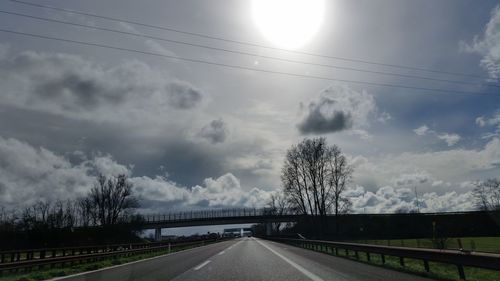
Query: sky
[[194, 135]]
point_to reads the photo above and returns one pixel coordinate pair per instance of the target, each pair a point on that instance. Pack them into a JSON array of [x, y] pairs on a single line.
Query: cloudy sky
[[196, 135]]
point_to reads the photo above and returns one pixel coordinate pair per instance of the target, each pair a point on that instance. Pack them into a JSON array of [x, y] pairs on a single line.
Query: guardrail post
[[383, 258], [426, 265], [368, 256], [402, 261], [461, 272], [356, 254]]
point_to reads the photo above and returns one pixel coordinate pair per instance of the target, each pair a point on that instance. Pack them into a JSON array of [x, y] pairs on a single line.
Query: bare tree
[[278, 205], [487, 195], [315, 177], [85, 211], [340, 176], [111, 199], [41, 210]]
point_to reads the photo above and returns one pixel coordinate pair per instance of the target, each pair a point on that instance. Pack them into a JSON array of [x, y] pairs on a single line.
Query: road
[[245, 259]]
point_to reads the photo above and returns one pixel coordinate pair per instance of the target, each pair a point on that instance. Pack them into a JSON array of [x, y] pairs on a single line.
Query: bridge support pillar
[[157, 234], [268, 229]]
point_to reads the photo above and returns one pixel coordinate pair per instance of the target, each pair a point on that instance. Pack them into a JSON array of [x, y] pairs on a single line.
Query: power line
[[238, 67], [244, 42], [239, 52]]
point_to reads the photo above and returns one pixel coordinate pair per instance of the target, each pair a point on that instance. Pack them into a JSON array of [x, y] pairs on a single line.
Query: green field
[[479, 244]]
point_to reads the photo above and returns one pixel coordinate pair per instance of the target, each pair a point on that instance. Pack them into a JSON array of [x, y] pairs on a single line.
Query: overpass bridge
[[217, 217]]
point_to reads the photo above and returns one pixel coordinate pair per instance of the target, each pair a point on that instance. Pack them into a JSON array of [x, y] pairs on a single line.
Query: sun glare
[[288, 24]]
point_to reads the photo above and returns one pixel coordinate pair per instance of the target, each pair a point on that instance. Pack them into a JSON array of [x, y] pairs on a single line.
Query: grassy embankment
[[437, 270]]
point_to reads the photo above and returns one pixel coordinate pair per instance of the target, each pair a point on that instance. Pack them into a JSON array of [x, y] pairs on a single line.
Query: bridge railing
[[456, 257], [213, 214]]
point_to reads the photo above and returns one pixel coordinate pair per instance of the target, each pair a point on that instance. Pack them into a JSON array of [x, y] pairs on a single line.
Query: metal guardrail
[[455, 257], [28, 259]]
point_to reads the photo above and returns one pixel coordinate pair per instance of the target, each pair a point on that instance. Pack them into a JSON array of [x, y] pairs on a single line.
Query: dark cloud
[[72, 86], [85, 93], [317, 123], [183, 96], [215, 131], [338, 108]]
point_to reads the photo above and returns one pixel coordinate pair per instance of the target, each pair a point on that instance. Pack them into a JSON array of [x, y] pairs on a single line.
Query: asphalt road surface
[[245, 259]]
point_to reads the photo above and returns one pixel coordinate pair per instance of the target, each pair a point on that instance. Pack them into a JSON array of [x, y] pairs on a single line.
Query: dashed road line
[[202, 265], [306, 272]]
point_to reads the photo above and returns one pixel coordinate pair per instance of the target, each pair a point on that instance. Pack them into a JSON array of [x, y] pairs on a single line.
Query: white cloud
[[488, 45], [412, 179], [422, 130], [388, 199], [483, 121], [28, 174], [450, 138], [480, 121], [225, 191], [450, 166], [493, 121]]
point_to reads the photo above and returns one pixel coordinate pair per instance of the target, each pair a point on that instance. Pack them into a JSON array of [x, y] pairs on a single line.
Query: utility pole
[[416, 199]]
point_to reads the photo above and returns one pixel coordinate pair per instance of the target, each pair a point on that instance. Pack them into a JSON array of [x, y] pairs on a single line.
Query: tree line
[[109, 202]]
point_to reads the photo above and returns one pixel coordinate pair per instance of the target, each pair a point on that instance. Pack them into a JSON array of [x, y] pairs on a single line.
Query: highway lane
[[247, 259], [162, 268], [256, 259]]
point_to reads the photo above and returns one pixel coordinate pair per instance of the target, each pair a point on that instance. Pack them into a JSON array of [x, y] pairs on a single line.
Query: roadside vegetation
[[105, 215], [438, 271], [59, 271], [479, 244]]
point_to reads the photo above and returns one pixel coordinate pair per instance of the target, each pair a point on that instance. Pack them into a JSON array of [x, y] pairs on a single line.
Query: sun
[[288, 24]]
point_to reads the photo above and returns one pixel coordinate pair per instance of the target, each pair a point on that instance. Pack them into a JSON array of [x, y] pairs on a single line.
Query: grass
[[438, 271], [58, 271], [479, 244]]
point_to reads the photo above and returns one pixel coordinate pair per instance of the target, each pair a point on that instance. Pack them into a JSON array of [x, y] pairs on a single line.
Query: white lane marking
[[128, 263], [306, 272], [202, 265], [221, 253]]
